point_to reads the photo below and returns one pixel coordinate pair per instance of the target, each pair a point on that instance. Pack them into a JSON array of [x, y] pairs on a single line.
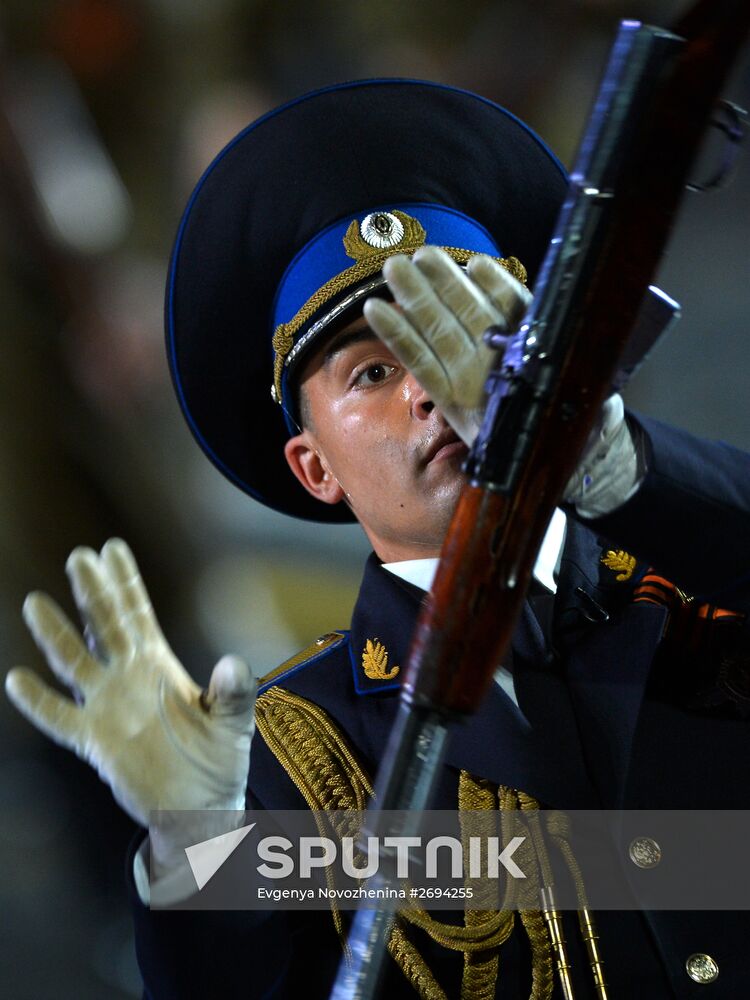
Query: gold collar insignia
[[375, 662], [620, 562]]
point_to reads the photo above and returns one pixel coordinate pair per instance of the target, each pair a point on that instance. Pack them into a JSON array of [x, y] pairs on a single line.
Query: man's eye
[[373, 374]]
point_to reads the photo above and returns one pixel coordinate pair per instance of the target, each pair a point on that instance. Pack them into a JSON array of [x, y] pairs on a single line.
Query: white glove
[[141, 721], [608, 472], [439, 334]]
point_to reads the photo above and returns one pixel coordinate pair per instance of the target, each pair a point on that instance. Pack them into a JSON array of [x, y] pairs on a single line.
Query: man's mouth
[[447, 445]]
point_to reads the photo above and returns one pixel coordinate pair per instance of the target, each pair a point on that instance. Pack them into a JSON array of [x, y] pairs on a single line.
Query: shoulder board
[[323, 644]]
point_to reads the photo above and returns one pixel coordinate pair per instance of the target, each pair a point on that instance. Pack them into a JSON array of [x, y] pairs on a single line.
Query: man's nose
[[420, 400]]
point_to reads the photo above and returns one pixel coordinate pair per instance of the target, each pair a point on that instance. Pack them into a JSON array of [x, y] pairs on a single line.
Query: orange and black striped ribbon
[[688, 620]]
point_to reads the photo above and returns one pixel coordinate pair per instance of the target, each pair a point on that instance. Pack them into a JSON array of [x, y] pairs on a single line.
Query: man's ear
[[311, 468]]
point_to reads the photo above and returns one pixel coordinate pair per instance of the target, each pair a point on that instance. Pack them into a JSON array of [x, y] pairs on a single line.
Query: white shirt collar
[[421, 572]]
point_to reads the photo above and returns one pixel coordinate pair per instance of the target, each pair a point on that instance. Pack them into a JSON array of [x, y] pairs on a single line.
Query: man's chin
[[448, 472], [447, 491]]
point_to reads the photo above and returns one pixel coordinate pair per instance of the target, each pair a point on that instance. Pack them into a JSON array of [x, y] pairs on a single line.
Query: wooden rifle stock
[[653, 107]]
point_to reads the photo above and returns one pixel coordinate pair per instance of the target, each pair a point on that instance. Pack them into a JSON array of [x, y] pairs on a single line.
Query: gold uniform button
[[702, 968], [644, 852]]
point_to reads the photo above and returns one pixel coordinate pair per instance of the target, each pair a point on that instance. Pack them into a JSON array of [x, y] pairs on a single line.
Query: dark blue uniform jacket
[[612, 714]]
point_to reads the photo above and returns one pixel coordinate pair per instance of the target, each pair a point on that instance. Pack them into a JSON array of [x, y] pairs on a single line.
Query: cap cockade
[[381, 230]]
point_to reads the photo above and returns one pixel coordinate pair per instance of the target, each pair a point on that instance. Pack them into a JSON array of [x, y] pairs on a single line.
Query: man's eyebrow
[[346, 339]]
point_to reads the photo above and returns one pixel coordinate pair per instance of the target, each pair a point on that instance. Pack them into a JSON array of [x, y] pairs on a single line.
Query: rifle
[[653, 106]]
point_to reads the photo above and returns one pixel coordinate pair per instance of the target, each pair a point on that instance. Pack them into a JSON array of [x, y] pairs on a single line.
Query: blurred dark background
[[109, 111]]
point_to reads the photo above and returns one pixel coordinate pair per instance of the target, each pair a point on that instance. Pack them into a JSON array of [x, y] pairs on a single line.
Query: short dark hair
[[302, 408]]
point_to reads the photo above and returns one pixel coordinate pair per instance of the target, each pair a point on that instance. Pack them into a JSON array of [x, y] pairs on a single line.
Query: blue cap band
[[324, 256]]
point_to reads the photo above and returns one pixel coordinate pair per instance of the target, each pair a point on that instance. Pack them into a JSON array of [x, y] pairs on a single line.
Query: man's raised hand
[[436, 329], [437, 332], [139, 719]]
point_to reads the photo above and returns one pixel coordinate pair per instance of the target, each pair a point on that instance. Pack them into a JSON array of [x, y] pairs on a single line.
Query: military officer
[[332, 277]]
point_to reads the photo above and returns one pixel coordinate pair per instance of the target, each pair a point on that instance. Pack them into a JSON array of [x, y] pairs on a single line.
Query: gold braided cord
[[312, 751], [522, 894], [477, 800], [413, 966], [319, 761], [476, 803], [490, 932], [284, 334], [316, 757], [531, 806], [532, 919], [558, 825], [479, 979], [484, 929], [542, 962]]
